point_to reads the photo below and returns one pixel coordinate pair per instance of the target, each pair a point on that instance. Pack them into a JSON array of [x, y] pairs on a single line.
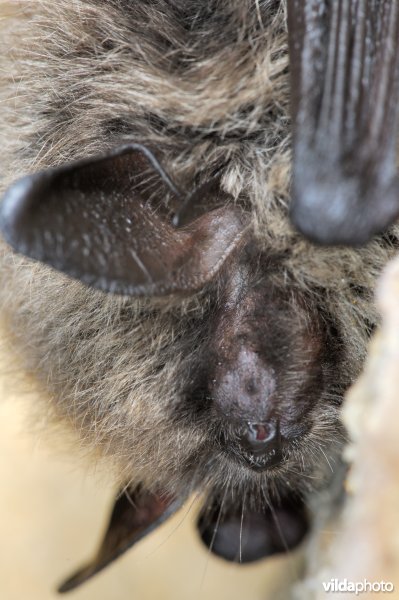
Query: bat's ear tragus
[[193, 204]]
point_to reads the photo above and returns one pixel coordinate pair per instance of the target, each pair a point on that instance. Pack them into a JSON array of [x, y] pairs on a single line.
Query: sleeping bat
[[152, 280]]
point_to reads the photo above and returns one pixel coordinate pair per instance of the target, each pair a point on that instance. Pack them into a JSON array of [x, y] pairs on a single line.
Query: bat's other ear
[[344, 60], [244, 536], [108, 221], [135, 515]]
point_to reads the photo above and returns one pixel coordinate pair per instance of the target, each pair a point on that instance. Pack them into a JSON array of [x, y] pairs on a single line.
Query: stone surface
[[362, 543]]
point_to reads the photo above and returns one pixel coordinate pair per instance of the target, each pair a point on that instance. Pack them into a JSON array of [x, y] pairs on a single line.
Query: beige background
[[52, 513]]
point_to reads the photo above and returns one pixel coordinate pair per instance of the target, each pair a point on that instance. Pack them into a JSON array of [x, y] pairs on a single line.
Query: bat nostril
[[258, 436]]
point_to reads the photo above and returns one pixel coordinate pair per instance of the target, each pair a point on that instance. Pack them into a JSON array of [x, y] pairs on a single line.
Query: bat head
[[264, 383], [258, 383]]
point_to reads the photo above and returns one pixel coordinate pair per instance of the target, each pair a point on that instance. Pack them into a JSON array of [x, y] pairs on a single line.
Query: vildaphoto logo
[[358, 587]]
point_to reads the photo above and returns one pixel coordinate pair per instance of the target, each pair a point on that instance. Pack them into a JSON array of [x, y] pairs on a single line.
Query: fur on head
[[206, 86]]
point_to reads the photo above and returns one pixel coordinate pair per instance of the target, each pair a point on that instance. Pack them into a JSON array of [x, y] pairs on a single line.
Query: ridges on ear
[[96, 221], [344, 64]]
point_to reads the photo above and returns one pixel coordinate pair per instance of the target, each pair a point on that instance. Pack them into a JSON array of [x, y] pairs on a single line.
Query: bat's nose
[[258, 436], [261, 444]]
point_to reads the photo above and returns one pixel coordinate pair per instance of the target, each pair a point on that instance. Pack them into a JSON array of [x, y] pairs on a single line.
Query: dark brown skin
[[133, 251], [261, 408], [345, 103]]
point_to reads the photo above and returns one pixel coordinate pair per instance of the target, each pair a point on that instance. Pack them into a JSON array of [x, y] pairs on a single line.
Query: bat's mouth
[[260, 447], [262, 462]]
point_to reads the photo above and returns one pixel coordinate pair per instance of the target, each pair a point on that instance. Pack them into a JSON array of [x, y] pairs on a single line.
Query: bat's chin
[[305, 463], [259, 462], [262, 462]]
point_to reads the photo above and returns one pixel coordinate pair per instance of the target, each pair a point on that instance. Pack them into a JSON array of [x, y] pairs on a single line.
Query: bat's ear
[[108, 221], [135, 515], [245, 535], [344, 62]]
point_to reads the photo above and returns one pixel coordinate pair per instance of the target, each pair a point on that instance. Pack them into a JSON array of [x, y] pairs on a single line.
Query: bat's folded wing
[[345, 100]]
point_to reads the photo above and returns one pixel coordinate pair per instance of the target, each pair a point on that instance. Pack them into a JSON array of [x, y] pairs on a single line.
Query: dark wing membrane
[[96, 221], [134, 515], [345, 101]]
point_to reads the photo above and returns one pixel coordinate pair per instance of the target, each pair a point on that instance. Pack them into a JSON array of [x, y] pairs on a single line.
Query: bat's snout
[[265, 360]]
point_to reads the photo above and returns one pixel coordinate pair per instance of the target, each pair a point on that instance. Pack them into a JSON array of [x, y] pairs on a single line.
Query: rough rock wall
[[361, 544]]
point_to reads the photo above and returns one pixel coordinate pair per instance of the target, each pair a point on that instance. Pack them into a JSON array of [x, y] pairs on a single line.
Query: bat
[[178, 321], [258, 413]]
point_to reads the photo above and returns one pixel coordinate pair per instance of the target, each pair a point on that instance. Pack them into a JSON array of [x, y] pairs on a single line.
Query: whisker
[[294, 572], [241, 524], [212, 540]]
